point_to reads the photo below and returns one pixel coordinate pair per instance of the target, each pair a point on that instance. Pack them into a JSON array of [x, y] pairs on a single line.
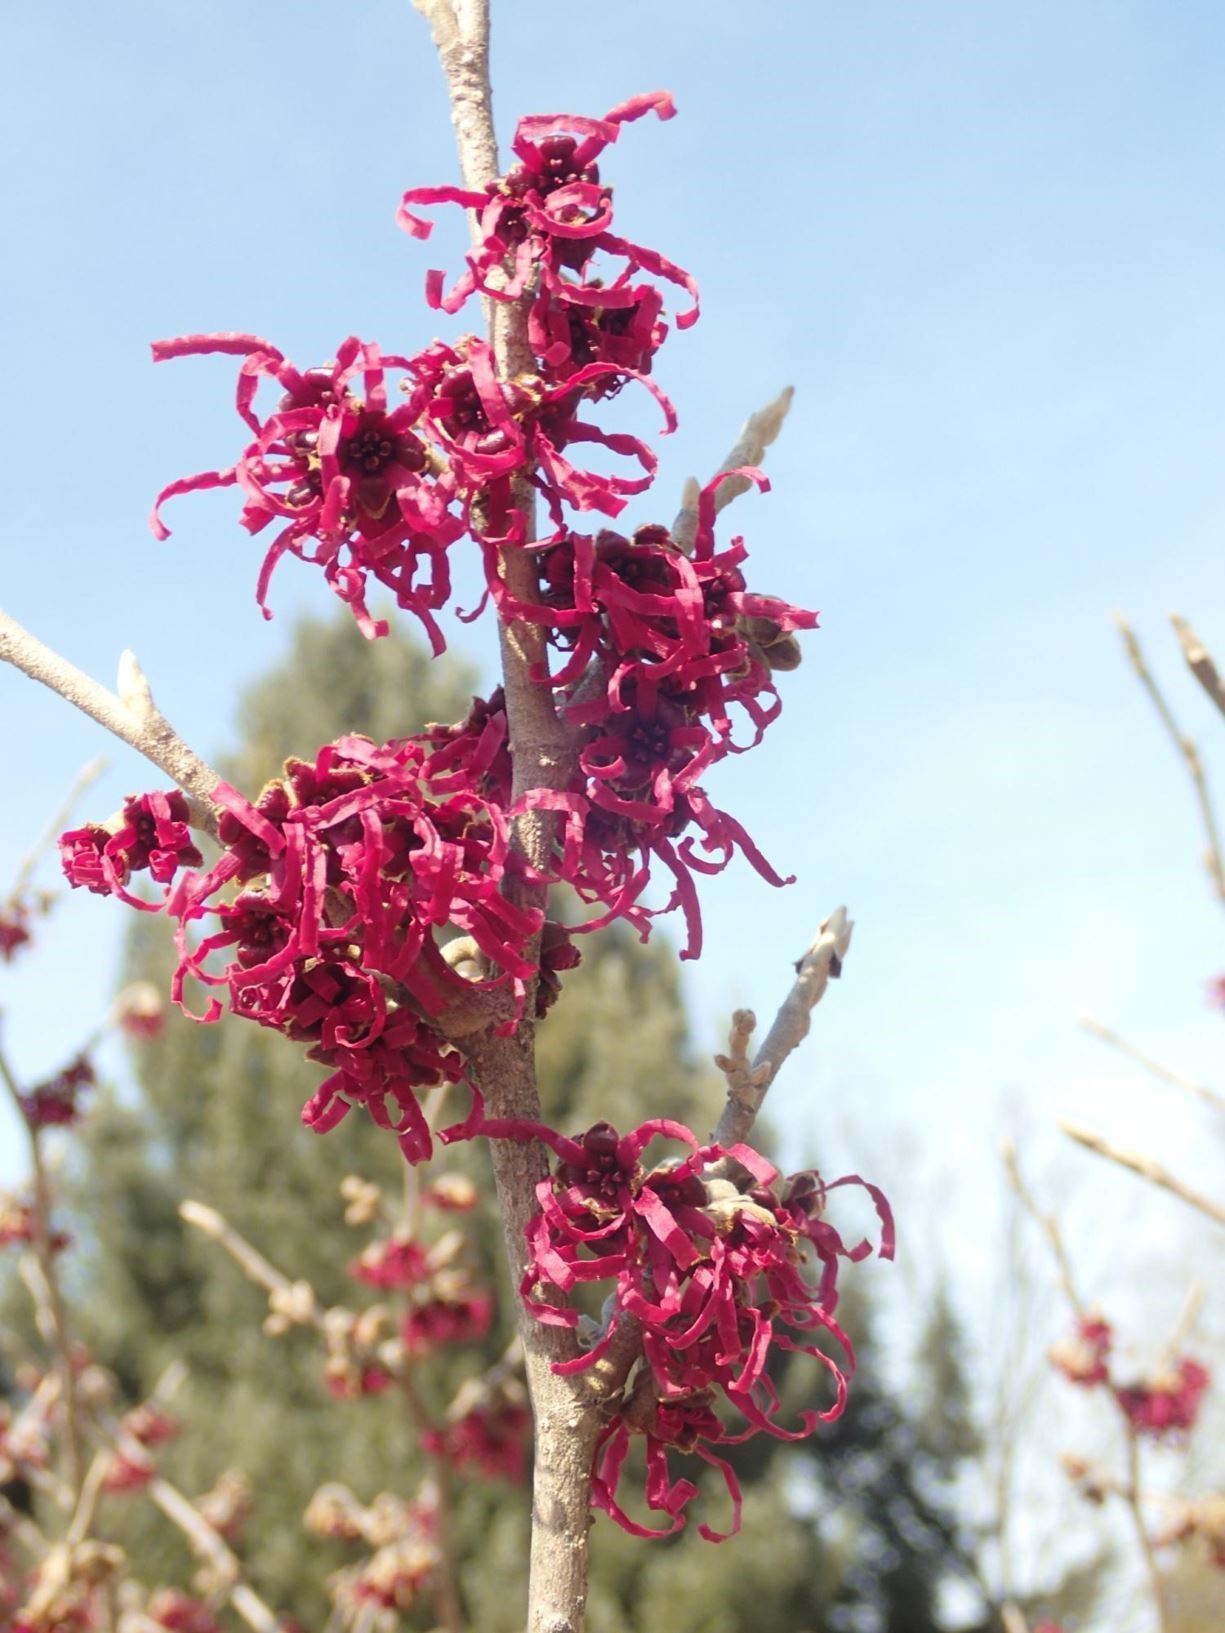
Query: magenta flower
[[547, 219], [349, 479], [1169, 1403], [492, 1438], [449, 1311], [126, 1475], [56, 1103], [14, 929], [689, 1426], [179, 1613], [396, 1262], [151, 834], [1085, 1359], [714, 1271]]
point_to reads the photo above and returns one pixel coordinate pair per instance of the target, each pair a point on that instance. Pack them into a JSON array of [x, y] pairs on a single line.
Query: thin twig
[[25, 869], [1133, 1500], [1183, 1326], [207, 1543], [1147, 1169], [1049, 1227], [130, 714], [1198, 661], [747, 1085], [1210, 1096], [756, 435], [44, 1252], [253, 1263], [1186, 748]]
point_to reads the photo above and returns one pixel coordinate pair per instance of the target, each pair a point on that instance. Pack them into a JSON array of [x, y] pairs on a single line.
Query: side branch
[[756, 434], [748, 1082], [1210, 1096], [1147, 1169], [1198, 661], [130, 714], [1187, 749]]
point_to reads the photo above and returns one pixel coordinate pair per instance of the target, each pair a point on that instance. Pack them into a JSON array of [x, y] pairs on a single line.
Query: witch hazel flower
[[56, 1103], [14, 930], [1085, 1358], [345, 476], [1167, 1403], [488, 1430], [540, 230], [323, 917], [715, 1271], [491, 430], [151, 834]]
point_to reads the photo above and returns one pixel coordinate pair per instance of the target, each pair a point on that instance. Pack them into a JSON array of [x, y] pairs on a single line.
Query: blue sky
[[984, 242]]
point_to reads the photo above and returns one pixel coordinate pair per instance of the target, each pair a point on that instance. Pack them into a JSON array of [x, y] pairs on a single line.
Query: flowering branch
[[1147, 1169], [748, 1084], [1190, 754], [130, 714], [1210, 1096]]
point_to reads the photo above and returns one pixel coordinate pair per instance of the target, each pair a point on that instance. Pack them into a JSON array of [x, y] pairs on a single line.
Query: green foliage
[[215, 1118]]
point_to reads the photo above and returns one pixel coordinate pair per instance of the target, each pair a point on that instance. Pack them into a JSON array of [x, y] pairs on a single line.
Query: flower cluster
[[488, 1429], [712, 1268], [150, 835], [404, 1557], [14, 929], [1166, 1403], [56, 1103], [322, 918], [368, 490], [1085, 1358], [348, 872], [19, 1224]]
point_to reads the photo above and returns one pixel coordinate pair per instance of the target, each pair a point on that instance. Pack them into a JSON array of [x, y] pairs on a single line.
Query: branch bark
[[130, 714], [505, 1068]]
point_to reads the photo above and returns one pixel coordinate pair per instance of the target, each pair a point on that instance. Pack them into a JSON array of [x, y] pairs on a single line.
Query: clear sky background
[[984, 242]]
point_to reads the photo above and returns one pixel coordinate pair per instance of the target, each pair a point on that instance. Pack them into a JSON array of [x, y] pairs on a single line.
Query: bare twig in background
[[44, 1254], [756, 435], [294, 1299], [1048, 1225], [206, 1543], [1204, 1093], [1053, 1235], [1187, 1317], [1198, 661], [747, 1085], [1186, 748], [1147, 1169], [88, 773], [1134, 1501], [130, 714]]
